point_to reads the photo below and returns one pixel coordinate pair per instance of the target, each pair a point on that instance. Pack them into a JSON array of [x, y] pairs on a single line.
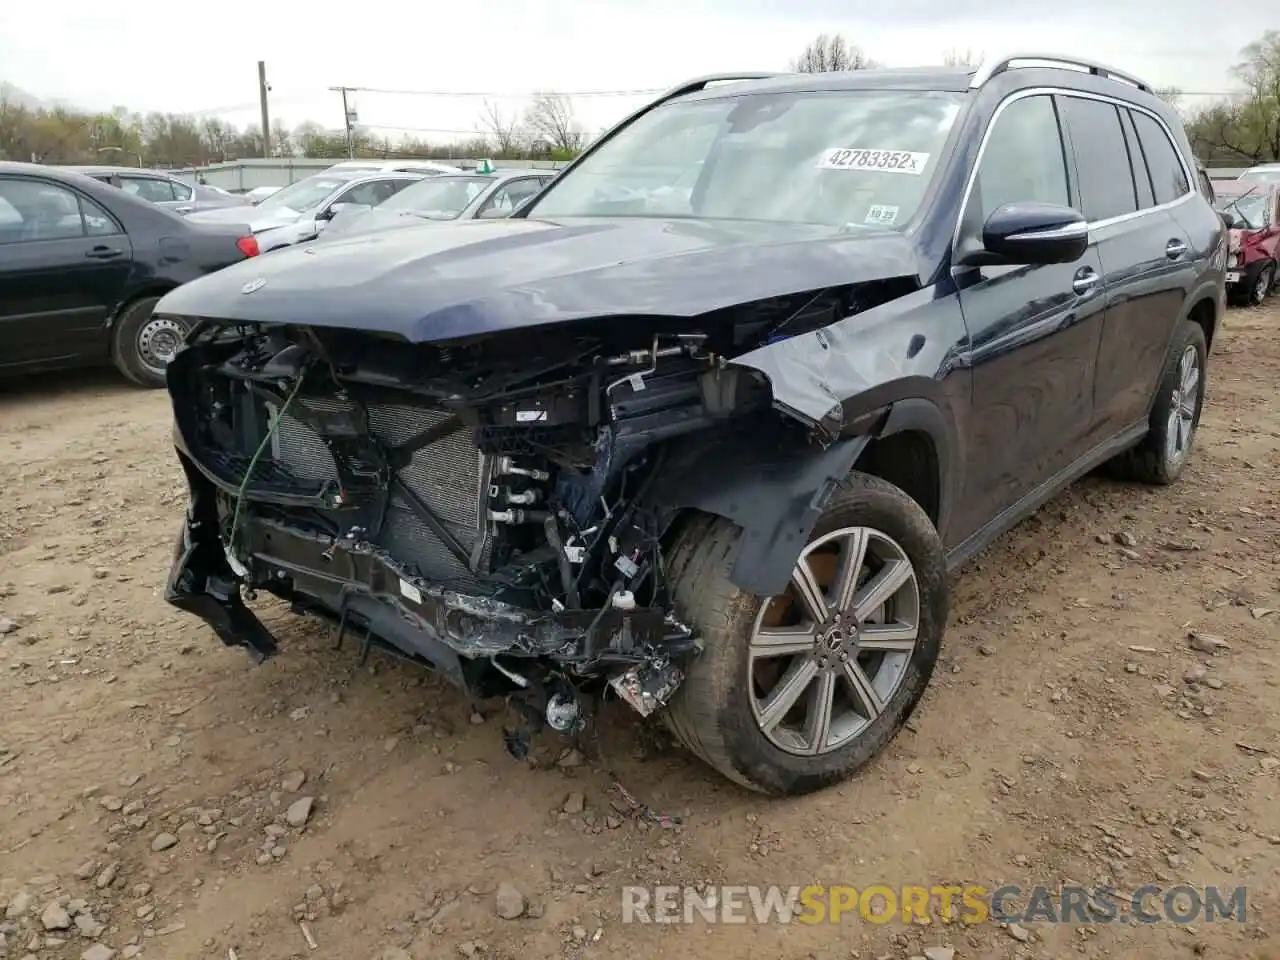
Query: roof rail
[[998, 65], [701, 83]]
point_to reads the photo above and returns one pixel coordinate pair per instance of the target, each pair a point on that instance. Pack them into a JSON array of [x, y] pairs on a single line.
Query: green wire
[[253, 461]]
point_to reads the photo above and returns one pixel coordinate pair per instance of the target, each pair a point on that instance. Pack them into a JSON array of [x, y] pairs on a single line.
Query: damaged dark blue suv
[[710, 422]]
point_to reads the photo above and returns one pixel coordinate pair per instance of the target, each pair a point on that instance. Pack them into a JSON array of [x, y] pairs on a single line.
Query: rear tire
[[1163, 453], [862, 676], [142, 345]]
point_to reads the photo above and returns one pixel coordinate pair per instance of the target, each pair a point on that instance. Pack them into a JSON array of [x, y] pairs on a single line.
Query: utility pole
[[347, 115], [266, 118]]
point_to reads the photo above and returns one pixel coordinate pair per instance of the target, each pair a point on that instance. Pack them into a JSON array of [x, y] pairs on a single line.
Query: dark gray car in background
[[158, 187]]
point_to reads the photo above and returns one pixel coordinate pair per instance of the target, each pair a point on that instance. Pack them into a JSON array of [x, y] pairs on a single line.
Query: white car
[[1263, 173], [427, 167], [258, 194], [303, 209]]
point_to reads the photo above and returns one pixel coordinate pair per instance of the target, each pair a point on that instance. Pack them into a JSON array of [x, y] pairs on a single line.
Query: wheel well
[[908, 460], [1205, 314], [159, 290]]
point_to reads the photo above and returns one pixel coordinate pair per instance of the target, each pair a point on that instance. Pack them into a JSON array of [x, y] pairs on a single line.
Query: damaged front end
[[485, 508]]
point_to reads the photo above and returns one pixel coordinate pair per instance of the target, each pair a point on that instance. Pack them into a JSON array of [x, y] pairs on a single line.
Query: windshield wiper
[[1244, 196]]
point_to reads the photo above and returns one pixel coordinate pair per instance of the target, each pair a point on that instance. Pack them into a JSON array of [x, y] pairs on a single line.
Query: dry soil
[[149, 777]]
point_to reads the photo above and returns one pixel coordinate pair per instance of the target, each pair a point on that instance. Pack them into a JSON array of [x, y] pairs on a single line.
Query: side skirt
[[983, 537]]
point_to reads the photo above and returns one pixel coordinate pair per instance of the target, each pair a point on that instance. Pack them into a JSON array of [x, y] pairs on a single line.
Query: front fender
[[766, 479]]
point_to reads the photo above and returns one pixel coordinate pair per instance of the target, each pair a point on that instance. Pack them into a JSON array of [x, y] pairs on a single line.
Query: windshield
[[846, 158], [1250, 209], [440, 198], [1260, 176], [306, 194]]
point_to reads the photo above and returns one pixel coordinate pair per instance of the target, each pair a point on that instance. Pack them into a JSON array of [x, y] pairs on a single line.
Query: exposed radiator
[[451, 476]]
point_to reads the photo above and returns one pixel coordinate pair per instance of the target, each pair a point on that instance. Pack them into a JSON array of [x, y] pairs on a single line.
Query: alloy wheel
[[1183, 409], [827, 655]]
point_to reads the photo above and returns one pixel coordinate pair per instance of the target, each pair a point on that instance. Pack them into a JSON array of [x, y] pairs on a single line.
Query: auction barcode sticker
[[880, 161]]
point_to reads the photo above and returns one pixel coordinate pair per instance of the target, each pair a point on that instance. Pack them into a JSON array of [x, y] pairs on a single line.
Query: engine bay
[[481, 507]]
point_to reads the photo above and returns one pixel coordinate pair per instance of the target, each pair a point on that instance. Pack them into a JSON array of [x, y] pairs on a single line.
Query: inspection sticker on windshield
[[880, 161], [882, 213]]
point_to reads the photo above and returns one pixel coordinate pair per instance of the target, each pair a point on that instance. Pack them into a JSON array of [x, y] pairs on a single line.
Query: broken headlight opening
[[481, 508]]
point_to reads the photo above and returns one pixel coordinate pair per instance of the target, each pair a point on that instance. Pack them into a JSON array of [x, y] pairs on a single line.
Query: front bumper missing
[[361, 586]]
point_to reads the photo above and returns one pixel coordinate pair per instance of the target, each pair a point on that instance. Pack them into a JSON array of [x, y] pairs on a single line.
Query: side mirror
[[491, 213], [1030, 233]]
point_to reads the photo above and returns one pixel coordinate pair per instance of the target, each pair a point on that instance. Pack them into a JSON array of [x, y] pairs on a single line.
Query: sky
[[202, 58]]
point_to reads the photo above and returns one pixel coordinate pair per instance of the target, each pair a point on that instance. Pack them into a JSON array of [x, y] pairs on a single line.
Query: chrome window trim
[[1066, 92], [1069, 231]]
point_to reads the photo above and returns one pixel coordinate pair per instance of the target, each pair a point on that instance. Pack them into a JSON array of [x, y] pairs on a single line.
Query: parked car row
[[161, 189], [86, 251], [444, 199], [303, 209]]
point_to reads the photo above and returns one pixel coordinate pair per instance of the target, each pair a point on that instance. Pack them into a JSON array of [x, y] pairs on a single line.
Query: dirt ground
[[1071, 733]]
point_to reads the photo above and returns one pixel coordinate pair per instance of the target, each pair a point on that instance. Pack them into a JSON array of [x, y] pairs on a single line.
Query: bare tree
[[549, 119], [955, 57], [1259, 70], [504, 130], [829, 52], [1170, 95], [1245, 128]]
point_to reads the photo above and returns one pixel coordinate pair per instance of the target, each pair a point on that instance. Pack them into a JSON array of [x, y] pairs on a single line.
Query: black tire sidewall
[[132, 318], [1189, 333], [774, 770], [1269, 268]]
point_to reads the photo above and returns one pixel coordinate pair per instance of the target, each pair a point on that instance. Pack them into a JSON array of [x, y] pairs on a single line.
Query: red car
[[1254, 211]]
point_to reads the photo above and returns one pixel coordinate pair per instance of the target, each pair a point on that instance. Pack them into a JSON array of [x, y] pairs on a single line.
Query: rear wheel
[[143, 344], [796, 692], [1163, 452]]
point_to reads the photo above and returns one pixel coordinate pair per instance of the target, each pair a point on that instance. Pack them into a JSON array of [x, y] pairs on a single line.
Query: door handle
[[103, 253], [1084, 282], [1175, 249], [184, 209]]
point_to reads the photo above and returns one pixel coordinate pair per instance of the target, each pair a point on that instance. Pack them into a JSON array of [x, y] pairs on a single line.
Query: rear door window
[[1102, 159], [1137, 162], [1168, 176], [148, 188]]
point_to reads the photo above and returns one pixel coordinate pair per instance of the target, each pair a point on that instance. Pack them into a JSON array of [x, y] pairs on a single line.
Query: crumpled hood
[[256, 218], [423, 283]]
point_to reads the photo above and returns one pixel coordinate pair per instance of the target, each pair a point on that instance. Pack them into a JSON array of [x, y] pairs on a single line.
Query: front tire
[[1262, 285], [797, 692], [1163, 453], [142, 344]]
